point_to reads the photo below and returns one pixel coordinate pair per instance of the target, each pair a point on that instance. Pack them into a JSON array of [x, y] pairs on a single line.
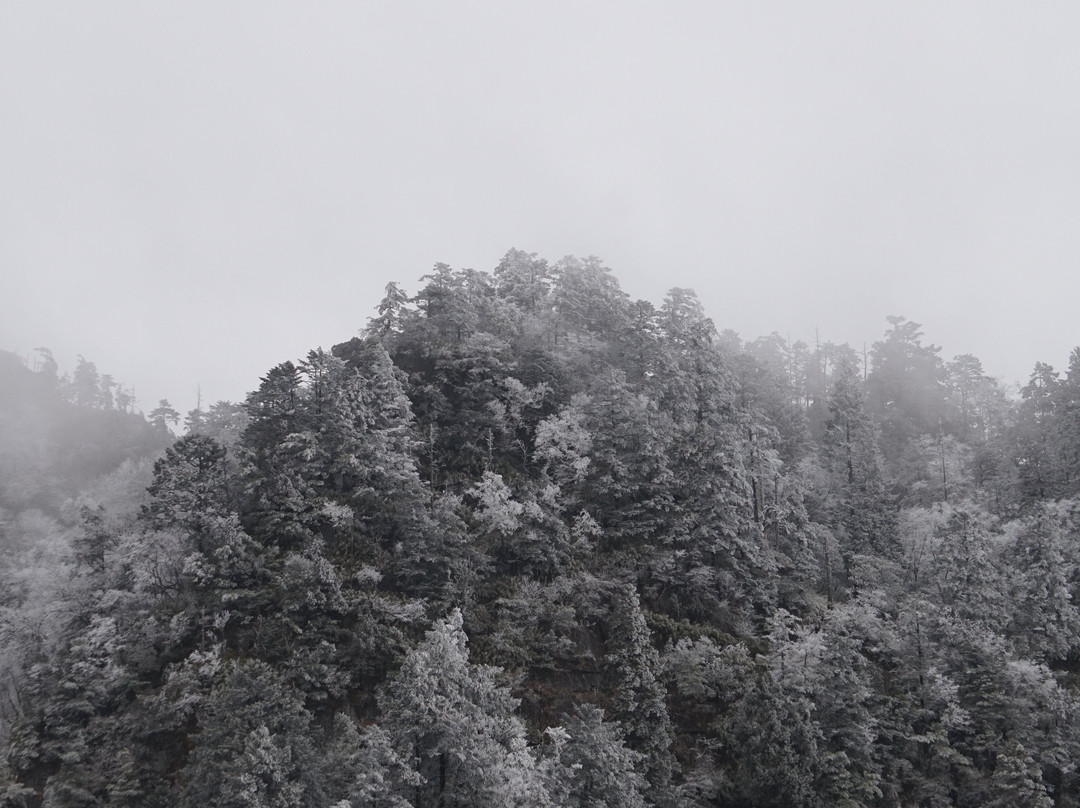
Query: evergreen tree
[[1017, 780], [590, 766], [639, 700], [905, 386], [1043, 569], [455, 725], [164, 414], [256, 746], [1068, 425], [774, 744], [85, 390], [1035, 436], [523, 279], [388, 322], [863, 509]]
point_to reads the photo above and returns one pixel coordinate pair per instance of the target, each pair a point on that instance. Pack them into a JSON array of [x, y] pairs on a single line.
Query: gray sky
[[193, 192]]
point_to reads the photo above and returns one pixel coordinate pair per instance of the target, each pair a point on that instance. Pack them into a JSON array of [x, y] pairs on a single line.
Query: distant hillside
[[52, 446]]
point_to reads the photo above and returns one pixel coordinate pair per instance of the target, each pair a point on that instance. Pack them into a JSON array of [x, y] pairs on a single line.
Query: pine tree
[[390, 308], [523, 279], [590, 766], [1042, 565], [1068, 425], [164, 414], [85, 384], [1017, 781], [905, 386], [256, 747], [639, 699], [1036, 446], [456, 726], [865, 513], [774, 743]]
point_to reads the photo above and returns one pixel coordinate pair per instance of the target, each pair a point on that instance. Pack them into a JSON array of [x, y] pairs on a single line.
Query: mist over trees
[[526, 541]]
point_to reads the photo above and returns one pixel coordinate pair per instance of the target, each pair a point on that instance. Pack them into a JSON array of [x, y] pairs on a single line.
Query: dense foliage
[[528, 542]]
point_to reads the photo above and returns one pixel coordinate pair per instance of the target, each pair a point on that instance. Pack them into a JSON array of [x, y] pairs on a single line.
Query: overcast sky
[[191, 193]]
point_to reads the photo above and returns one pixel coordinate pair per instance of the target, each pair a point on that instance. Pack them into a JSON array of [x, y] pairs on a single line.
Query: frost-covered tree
[[256, 746], [590, 766], [455, 725], [639, 700]]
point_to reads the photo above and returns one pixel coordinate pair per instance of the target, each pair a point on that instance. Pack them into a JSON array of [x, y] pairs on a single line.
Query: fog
[[192, 194]]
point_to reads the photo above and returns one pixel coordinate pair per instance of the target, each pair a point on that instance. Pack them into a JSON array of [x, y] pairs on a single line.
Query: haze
[[192, 193]]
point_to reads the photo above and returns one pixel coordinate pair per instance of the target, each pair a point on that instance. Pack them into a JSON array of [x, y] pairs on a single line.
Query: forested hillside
[[525, 541]]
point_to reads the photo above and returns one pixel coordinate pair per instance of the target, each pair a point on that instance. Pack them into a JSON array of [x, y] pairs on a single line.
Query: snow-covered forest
[[526, 541]]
